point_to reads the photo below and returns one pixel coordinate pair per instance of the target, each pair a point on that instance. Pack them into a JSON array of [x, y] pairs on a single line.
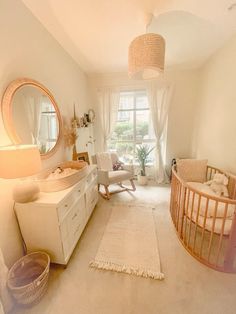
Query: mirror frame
[[7, 111]]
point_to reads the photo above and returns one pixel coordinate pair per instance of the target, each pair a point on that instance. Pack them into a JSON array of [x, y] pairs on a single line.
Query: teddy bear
[[219, 184]]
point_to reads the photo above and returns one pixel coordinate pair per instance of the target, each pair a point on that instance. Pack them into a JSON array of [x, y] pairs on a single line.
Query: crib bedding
[[220, 213], [219, 221], [210, 221]]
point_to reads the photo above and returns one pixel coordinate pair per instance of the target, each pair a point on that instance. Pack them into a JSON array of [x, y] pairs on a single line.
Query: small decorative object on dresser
[[86, 120], [83, 157], [91, 114]]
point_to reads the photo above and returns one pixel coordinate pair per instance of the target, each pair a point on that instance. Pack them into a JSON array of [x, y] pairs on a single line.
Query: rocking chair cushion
[[119, 176]]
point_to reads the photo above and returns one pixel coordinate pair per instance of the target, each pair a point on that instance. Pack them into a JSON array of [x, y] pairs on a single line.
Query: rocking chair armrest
[[103, 177]]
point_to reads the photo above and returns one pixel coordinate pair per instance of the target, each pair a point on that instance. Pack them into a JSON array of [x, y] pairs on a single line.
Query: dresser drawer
[[75, 217], [79, 188], [91, 177], [75, 234], [69, 242], [66, 205], [66, 247], [63, 229], [91, 197]]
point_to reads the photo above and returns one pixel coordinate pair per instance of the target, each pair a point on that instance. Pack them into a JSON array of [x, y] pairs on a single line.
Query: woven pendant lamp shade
[[146, 56]]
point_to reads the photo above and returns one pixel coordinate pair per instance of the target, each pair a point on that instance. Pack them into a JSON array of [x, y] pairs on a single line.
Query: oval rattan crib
[[209, 238]]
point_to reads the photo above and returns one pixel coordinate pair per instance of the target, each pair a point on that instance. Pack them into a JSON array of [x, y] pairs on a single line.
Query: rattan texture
[[33, 270]]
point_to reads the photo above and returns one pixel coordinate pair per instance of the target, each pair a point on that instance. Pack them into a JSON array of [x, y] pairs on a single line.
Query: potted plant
[[142, 154]]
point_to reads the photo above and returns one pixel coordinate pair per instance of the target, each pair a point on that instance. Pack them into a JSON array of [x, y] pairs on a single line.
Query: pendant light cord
[[148, 20]]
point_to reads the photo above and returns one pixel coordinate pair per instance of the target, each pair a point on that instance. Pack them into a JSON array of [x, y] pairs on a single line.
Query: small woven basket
[[28, 278], [53, 185]]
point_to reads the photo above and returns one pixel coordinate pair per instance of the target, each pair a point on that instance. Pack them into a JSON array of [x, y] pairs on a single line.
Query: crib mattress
[[209, 223], [212, 203], [219, 224]]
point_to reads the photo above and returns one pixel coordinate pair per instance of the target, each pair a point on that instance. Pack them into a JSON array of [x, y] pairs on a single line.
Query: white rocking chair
[[108, 177]]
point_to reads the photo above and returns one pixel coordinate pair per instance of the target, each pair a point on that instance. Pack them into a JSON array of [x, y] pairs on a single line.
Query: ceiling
[[97, 33]]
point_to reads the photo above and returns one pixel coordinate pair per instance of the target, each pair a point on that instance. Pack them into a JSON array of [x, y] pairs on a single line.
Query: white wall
[[182, 108], [28, 50], [216, 123]]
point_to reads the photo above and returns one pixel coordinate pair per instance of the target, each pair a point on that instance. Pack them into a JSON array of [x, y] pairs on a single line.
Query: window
[[133, 126], [48, 131]]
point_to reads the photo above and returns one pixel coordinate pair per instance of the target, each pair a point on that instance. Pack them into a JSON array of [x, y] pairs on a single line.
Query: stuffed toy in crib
[[219, 184]]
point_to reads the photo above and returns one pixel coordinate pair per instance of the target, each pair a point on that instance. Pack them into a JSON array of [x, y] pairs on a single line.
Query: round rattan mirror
[[31, 115]]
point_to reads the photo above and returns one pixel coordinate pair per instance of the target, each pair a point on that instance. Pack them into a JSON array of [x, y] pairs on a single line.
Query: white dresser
[[56, 220]]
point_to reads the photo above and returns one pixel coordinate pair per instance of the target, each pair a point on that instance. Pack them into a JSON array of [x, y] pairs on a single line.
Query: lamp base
[[25, 191]]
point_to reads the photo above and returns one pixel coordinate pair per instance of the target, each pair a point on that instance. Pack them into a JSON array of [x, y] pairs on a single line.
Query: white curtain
[[108, 109], [159, 100]]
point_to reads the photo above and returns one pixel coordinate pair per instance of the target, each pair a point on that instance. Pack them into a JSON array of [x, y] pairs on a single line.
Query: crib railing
[[205, 224]]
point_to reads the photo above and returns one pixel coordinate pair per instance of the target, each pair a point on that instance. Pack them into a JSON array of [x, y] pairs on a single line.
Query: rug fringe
[[126, 269]]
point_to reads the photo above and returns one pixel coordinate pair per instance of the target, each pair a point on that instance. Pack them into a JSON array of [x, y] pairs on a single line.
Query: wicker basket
[[28, 278]]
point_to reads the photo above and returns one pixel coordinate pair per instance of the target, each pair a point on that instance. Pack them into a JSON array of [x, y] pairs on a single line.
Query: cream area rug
[[129, 244]]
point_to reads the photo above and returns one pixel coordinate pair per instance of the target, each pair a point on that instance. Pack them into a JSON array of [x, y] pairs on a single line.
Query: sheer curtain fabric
[[159, 97], [33, 110], [108, 109]]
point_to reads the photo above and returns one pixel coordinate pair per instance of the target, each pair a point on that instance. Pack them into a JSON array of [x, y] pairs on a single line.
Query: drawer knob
[[66, 205], [79, 191]]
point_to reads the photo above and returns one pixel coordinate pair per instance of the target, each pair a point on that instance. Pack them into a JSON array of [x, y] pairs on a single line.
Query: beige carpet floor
[[188, 288]]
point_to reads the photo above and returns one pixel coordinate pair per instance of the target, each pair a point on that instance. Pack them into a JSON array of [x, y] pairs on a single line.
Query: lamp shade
[[146, 56], [19, 161]]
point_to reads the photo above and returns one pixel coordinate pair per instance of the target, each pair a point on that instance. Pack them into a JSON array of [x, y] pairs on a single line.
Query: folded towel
[[104, 161]]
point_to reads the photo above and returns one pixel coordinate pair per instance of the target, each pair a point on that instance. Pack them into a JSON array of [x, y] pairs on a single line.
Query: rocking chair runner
[[108, 177]]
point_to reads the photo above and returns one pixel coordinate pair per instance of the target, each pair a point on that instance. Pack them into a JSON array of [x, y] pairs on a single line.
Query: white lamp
[[19, 161]]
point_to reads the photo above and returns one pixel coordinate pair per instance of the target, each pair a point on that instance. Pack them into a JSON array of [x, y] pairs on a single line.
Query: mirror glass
[[35, 118]]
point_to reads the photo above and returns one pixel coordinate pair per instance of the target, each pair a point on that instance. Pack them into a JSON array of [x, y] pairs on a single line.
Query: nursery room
[[117, 157]]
